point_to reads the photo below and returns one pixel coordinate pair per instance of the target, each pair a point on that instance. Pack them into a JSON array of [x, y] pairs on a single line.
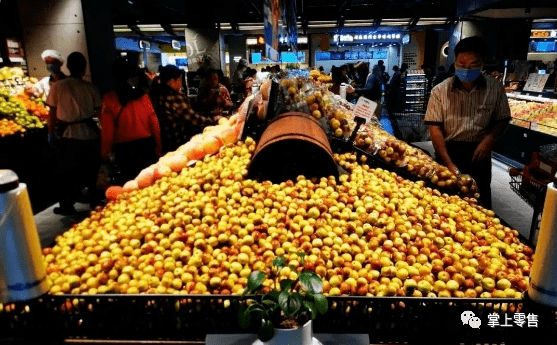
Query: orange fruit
[[113, 191]]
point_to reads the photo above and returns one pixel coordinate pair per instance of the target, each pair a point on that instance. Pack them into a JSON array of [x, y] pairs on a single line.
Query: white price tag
[[536, 82], [534, 126], [365, 108]]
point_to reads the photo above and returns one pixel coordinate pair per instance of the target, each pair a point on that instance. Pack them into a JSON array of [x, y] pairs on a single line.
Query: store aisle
[[50, 225], [506, 203], [386, 123]]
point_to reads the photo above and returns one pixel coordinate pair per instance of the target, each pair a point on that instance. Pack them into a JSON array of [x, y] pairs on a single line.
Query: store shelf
[[531, 98]]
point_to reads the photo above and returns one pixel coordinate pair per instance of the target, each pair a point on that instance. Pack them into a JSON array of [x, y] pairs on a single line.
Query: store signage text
[[352, 38], [282, 40]]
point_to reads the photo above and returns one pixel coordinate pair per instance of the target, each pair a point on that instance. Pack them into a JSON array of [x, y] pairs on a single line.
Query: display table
[[518, 143]]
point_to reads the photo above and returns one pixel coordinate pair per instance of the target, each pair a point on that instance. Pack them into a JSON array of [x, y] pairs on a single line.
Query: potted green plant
[[285, 309]]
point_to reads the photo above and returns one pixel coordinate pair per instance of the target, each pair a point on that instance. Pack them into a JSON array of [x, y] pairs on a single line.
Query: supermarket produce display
[[541, 117], [413, 163], [205, 228], [17, 103], [9, 127], [185, 235], [532, 126]]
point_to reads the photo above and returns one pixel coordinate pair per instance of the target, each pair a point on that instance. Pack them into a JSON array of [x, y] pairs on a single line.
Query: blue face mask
[[467, 75]]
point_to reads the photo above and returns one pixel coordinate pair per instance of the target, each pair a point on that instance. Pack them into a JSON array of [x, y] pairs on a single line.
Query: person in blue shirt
[[372, 88]]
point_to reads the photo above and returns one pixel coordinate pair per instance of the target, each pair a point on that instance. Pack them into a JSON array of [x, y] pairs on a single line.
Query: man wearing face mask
[[466, 114], [54, 62], [73, 104]]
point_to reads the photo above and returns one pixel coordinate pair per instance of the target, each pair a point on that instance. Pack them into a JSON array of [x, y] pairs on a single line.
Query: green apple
[[424, 286], [439, 285], [503, 284], [452, 285], [402, 273], [468, 271], [488, 283], [444, 293], [410, 284], [444, 276]]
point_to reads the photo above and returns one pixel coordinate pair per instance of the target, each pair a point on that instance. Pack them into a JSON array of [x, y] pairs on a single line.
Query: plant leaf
[[244, 317], [290, 303], [312, 308], [273, 295], [267, 331], [257, 314], [268, 302], [279, 262], [255, 280], [321, 303], [311, 282], [286, 284]]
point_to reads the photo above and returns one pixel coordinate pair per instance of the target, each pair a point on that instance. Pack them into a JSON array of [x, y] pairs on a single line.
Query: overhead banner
[[271, 22], [291, 24]]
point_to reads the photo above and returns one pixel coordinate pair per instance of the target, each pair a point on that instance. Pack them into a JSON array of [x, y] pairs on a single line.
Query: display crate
[[192, 317]]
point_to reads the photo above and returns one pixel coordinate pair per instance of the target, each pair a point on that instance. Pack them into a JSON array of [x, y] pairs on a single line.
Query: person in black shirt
[[442, 75]]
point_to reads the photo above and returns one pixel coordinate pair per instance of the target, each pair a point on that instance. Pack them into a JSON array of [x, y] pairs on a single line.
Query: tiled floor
[[506, 204], [50, 225]]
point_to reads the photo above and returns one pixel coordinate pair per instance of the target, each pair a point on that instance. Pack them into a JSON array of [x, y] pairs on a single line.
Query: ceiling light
[[322, 25]]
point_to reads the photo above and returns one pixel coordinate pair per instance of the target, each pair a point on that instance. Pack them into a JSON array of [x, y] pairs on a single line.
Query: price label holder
[[536, 82], [364, 109], [535, 126]]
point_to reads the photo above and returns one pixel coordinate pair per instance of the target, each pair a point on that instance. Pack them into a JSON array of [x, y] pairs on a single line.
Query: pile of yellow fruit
[[205, 229]]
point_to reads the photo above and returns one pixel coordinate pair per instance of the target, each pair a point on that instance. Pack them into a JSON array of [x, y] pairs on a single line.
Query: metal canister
[[22, 271], [343, 90]]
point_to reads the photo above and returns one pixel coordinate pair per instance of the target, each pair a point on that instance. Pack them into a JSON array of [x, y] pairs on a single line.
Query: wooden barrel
[[293, 144]]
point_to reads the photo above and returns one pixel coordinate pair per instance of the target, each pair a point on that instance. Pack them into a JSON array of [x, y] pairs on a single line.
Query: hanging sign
[[271, 22]]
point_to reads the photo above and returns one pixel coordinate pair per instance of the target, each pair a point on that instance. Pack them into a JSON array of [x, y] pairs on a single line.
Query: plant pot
[[298, 336]]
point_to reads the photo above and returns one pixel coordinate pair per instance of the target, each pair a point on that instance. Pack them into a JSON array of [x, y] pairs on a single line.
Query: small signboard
[[365, 108], [536, 82]]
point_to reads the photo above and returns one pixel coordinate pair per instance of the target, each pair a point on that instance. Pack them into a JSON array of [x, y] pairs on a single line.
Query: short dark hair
[[395, 68], [251, 71], [169, 72], [441, 68], [76, 63], [474, 44]]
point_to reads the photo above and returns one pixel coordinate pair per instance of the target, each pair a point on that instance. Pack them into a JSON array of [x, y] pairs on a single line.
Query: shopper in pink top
[[130, 129]]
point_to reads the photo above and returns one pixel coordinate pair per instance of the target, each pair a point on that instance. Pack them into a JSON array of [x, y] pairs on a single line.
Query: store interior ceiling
[[237, 14]]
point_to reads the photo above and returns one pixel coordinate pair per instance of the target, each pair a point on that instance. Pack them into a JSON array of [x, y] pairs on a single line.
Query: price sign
[[534, 126], [536, 82], [539, 33], [365, 108]]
